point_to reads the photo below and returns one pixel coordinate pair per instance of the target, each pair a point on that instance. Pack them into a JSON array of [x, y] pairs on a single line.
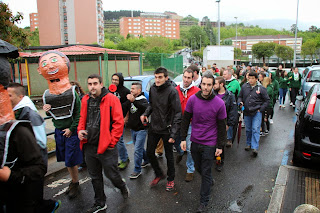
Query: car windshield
[[128, 83], [315, 76]]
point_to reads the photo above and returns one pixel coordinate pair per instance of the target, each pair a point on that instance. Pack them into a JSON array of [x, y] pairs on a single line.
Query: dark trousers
[[108, 161], [294, 93], [204, 157], [27, 197], [153, 139]]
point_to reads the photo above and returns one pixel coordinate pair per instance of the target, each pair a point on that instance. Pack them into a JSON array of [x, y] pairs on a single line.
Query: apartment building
[[70, 22], [34, 21], [150, 26]]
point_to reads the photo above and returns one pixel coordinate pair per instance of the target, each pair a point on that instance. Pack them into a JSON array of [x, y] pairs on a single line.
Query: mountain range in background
[[277, 24]]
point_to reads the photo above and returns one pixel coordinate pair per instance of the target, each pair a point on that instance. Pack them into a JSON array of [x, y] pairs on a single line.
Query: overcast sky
[[281, 13]]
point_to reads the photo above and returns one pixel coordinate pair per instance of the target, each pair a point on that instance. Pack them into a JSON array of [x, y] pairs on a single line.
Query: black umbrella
[[8, 50]]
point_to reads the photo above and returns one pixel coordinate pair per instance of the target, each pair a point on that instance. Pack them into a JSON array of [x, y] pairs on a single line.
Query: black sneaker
[[135, 175], [266, 132], [247, 148], [255, 153], [74, 190], [144, 165], [125, 192], [201, 208], [96, 208]]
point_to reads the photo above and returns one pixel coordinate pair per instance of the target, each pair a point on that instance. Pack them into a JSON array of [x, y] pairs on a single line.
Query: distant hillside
[[110, 15]]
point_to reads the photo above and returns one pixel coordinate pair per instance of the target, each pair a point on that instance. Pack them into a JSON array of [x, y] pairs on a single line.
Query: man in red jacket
[[100, 128], [185, 90]]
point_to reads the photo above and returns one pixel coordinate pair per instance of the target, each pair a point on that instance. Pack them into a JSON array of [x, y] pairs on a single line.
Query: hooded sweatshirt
[[233, 86], [122, 93]]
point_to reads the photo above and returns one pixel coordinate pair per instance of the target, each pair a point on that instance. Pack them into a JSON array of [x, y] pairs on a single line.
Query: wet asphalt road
[[244, 185]]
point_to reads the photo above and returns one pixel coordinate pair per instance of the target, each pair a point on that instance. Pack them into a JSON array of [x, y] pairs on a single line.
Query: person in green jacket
[[283, 88], [294, 85], [265, 119], [232, 83], [275, 84]]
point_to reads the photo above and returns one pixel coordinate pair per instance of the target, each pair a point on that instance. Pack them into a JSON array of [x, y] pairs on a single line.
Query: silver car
[[311, 76]]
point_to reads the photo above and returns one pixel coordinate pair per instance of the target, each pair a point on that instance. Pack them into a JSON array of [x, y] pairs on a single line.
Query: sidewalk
[[294, 186]]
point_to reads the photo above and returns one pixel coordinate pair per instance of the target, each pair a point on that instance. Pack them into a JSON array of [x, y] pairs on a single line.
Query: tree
[[263, 50], [190, 18], [309, 48], [284, 52], [227, 42], [293, 28], [237, 53], [9, 31], [314, 29], [193, 36]]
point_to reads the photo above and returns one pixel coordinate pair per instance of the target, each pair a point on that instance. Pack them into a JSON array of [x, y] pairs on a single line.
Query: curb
[[279, 190]]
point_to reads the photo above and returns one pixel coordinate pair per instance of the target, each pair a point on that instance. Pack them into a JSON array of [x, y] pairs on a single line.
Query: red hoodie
[[183, 100], [110, 110]]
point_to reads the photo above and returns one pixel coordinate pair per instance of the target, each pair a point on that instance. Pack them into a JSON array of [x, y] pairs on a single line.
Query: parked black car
[[307, 128]]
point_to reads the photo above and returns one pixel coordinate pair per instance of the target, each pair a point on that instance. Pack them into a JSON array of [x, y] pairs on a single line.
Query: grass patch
[[51, 144]]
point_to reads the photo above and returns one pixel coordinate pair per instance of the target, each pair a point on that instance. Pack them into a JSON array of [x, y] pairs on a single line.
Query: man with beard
[[185, 91], [100, 127], [208, 114]]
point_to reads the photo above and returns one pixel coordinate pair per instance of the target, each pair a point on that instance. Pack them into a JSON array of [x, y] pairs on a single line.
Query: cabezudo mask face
[[54, 68], [6, 113]]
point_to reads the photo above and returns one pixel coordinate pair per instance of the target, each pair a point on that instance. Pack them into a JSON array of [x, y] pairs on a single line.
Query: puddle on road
[[237, 205]]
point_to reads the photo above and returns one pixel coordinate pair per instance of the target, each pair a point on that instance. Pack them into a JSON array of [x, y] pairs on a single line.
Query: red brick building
[[150, 26], [34, 21], [245, 42]]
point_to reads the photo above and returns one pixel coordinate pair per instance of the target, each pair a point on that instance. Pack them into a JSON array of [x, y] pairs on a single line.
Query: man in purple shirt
[[208, 135]]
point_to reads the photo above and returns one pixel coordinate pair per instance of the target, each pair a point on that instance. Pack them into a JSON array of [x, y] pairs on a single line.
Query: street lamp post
[[295, 37], [218, 21], [236, 36], [200, 43]]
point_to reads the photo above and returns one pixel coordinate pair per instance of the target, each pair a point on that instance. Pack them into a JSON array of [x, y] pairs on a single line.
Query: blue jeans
[[122, 150], [283, 92], [204, 157], [139, 138], [189, 162], [253, 124], [230, 133]]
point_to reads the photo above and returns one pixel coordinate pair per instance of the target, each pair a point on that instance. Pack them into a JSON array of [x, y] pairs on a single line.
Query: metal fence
[[24, 70]]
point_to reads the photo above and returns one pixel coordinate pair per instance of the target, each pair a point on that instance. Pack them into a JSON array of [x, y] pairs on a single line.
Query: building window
[[129, 19], [129, 23], [129, 27], [158, 20], [174, 25], [130, 31], [174, 35]]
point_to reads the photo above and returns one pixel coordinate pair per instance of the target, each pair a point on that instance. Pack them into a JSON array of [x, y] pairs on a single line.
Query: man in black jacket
[[255, 100], [165, 111], [121, 93], [139, 131], [232, 112]]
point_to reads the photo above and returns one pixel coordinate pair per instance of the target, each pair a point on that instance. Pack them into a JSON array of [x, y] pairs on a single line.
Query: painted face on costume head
[[53, 67], [6, 113]]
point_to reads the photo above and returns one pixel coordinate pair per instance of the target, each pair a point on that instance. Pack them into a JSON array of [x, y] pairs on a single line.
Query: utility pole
[[295, 37], [218, 21], [236, 37]]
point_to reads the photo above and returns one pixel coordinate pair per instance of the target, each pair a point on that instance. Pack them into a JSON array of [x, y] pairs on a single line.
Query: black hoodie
[[137, 108], [122, 93]]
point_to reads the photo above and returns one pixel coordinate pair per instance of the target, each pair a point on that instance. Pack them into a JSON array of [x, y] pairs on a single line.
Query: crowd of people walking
[[199, 118]]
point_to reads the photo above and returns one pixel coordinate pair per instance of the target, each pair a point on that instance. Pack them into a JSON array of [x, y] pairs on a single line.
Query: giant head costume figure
[[54, 66]]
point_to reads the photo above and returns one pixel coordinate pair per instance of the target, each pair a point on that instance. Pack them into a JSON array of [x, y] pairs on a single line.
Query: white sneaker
[[271, 121], [291, 104], [283, 106]]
